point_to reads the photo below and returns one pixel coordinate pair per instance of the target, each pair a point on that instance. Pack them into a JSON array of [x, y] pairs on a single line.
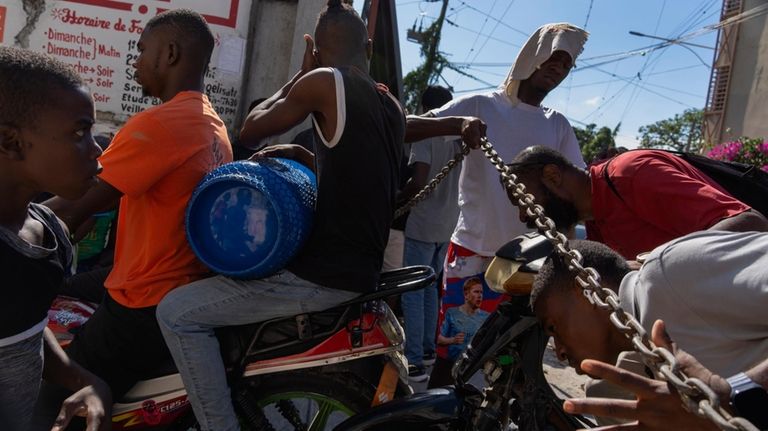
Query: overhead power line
[[493, 18]]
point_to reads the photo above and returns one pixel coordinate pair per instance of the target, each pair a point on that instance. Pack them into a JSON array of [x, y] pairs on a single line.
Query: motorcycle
[[306, 372], [508, 350]]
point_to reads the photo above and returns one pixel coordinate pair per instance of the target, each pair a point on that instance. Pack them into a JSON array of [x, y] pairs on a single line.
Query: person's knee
[[168, 313]]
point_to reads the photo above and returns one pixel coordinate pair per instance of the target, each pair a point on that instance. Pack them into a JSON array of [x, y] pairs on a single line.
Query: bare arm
[[92, 398], [101, 197], [257, 127], [657, 406], [471, 129], [288, 151], [745, 222], [312, 93], [456, 339]]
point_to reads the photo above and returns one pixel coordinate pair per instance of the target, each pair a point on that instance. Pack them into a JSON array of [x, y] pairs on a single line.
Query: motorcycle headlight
[[508, 276]]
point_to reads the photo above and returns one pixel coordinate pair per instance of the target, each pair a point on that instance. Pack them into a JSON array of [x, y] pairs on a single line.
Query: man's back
[[156, 160], [713, 303], [658, 197], [358, 174]]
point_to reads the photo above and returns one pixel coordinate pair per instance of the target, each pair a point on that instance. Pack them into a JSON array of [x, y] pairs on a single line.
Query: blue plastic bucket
[[248, 219]]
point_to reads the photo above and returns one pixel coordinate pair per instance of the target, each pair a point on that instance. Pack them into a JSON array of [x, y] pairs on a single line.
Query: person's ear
[[173, 53], [369, 49], [552, 176], [11, 144]]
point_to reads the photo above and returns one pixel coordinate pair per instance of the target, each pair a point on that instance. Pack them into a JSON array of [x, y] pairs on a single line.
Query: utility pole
[[429, 62], [418, 80]]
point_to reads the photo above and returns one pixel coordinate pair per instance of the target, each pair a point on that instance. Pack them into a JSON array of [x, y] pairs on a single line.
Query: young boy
[[46, 115], [152, 167]]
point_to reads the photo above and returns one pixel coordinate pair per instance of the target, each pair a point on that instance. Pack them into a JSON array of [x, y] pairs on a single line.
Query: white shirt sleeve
[[569, 145], [462, 106], [422, 151]]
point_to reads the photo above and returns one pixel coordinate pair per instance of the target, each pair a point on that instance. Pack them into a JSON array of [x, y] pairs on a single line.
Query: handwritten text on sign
[[99, 38]]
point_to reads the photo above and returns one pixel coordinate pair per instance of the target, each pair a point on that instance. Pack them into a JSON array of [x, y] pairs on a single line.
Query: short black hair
[[348, 31], [27, 79], [554, 274], [190, 27], [533, 159], [435, 96]]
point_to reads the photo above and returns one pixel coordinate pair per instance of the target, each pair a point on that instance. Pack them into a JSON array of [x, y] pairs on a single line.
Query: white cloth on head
[[539, 47], [487, 219]]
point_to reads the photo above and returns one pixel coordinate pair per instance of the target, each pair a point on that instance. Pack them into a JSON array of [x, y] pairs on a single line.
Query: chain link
[[697, 397], [429, 188]]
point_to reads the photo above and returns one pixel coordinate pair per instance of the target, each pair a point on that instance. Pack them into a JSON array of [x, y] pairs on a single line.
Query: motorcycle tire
[[298, 401]]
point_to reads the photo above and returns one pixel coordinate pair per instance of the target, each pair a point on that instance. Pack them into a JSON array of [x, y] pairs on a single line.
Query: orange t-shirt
[[156, 160]]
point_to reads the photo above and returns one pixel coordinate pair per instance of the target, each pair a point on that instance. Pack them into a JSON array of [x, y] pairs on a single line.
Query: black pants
[[87, 285], [121, 345], [441, 373]]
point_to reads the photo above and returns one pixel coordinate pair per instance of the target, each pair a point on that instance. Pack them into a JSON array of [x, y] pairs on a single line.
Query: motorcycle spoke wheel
[[319, 411], [321, 418]]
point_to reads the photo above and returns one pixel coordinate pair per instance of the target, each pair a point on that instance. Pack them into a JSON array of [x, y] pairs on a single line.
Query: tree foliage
[[683, 132], [595, 143]]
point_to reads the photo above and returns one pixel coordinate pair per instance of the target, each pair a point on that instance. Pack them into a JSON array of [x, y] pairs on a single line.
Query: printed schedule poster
[[99, 37]]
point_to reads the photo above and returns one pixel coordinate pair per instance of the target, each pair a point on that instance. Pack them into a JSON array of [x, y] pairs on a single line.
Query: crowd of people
[[704, 283]]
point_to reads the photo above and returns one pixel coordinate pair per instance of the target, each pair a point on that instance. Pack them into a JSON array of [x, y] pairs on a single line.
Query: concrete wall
[[746, 111], [276, 47]]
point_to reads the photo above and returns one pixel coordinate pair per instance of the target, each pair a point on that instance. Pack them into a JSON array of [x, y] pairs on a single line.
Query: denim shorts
[[20, 376]]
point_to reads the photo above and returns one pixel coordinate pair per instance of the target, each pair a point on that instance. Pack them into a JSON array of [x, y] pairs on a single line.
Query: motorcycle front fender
[[435, 409]]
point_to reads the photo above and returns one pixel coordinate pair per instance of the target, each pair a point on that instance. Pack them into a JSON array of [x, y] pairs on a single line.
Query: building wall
[[259, 47], [746, 110]]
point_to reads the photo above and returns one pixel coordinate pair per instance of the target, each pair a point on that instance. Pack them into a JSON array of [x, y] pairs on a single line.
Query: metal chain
[[697, 397], [429, 188]]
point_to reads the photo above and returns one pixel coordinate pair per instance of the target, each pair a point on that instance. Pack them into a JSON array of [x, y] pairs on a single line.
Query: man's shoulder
[[466, 105], [633, 162], [554, 115]]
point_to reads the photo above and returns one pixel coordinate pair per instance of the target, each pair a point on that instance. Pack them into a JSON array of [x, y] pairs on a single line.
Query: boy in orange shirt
[[153, 165]]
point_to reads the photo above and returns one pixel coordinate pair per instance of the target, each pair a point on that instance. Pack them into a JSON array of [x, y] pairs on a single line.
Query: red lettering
[[101, 98], [135, 27], [69, 16], [2, 22]]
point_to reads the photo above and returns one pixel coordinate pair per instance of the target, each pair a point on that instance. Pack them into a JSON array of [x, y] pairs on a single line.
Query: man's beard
[[562, 212]]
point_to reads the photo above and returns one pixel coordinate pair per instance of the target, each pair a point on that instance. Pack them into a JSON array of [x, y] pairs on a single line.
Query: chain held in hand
[[697, 397]]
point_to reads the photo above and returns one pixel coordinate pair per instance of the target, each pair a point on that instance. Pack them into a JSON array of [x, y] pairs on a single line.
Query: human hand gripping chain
[[655, 406], [697, 396]]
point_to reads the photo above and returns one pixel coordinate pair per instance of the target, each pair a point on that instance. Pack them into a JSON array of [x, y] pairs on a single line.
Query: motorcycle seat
[[295, 334]]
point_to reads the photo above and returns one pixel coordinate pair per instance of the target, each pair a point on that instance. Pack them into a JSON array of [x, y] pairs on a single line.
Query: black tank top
[[357, 182], [32, 275]]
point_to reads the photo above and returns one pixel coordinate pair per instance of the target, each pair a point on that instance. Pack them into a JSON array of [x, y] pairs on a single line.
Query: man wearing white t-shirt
[[515, 119]]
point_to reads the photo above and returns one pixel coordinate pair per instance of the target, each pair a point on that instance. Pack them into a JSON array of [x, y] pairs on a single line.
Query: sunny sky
[[484, 36]]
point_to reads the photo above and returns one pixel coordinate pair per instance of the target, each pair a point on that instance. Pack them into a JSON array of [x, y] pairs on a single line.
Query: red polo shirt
[[663, 197]]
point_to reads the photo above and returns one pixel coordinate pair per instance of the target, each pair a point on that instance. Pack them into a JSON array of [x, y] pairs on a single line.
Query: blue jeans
[[189, 314], [420, 306]]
